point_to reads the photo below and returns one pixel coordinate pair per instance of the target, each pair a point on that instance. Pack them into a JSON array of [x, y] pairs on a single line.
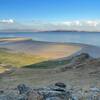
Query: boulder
[[59, 84], [22, 88]]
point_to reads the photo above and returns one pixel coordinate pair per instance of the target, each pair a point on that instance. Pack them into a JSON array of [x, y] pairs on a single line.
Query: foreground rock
[[57, 91]]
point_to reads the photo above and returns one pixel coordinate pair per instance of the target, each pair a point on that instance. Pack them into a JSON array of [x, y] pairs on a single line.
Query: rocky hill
[[81, 70]]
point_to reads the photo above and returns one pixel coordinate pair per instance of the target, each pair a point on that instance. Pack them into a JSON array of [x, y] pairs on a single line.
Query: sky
[[50, 15]]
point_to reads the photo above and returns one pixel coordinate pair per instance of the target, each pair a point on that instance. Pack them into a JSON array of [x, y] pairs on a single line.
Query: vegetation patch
[[48, 64], [18, 59]]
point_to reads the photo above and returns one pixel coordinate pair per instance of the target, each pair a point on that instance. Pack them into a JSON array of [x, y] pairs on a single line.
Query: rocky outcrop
[[57, 91], [77, 61]]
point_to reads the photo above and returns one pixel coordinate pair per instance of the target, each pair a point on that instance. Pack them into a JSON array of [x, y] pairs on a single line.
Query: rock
[[52, 92], [84, 55], [1, 91], [22, 88], [62, 85], [94, 89], [81, 58], [77, 61], [22, 97], [57, 91], [59, 86], [9, 96], [34, 95]]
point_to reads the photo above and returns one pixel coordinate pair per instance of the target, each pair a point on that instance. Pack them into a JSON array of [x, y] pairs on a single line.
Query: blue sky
[[49, 10]]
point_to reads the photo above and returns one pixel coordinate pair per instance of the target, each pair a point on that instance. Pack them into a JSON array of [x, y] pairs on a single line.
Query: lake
[[92, 38]]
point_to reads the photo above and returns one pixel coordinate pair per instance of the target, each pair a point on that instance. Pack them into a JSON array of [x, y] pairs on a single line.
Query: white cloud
[[92, 23], [81, 25], [68, 23], [77, 23], [7, 21], [74, 23]]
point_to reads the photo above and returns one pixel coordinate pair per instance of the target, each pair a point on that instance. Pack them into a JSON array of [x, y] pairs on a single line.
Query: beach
[[39, 48]]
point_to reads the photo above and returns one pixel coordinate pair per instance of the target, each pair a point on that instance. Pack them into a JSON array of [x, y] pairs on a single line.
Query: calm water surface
[[74, 37]]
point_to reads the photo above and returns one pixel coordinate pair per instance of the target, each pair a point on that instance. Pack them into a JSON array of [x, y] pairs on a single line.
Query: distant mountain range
[[14, 30]]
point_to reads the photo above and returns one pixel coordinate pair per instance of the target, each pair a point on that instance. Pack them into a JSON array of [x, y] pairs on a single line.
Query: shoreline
[[18, 44], [52, 50]]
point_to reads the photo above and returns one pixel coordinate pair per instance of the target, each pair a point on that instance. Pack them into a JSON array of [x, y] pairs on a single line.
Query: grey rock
[[22, 88], [59, 84]]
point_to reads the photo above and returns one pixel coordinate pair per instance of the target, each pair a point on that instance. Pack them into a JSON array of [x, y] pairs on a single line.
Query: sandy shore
[[42, 49], [47, 49], [13, 39]]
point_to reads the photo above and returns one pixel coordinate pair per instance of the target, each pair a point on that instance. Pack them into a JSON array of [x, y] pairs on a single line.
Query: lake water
[[73, 37]]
